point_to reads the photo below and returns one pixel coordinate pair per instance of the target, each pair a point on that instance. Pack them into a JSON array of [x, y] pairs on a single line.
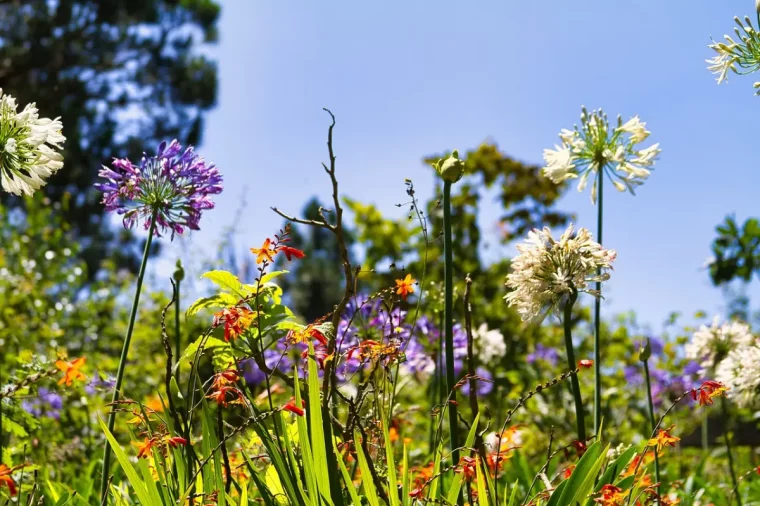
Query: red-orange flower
[[663, 439], [305, 334], [290, 252], [467, 467], [708, 391], [580, 447], [585, 364], [291, 406], [610, 495], [145, 447], [175, 442], [405, 286], [568, 471], [225, 395], [236, 320], [71, 371], [6, 479], [265, 253]]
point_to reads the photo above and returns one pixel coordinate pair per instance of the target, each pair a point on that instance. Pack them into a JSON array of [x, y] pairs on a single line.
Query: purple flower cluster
[[47, 403], [543, 353], [174, 184]]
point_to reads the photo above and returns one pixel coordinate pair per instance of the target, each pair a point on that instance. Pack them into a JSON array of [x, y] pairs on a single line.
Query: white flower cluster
[[29, 147], [740, 372], [546, 271], [729, 54], [710, 345], [489, 343], [594, 147]]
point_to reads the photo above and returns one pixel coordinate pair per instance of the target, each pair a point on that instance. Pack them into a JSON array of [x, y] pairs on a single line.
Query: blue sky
[[406, 79]]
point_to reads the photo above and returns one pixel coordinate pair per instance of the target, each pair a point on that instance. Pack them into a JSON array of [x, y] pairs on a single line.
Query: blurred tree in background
[[123, 75]]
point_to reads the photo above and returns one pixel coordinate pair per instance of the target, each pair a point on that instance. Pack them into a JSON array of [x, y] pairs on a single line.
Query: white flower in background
[[740, 57], [489, 343], [547, 270], [710, 345], [595, 147], [740, 372], [29, 147]]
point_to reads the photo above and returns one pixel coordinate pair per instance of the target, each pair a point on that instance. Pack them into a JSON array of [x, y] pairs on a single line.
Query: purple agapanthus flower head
[[175, 184], [47, 403]]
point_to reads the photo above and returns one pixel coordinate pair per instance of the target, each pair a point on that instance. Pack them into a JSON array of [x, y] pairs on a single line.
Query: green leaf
[[581, 482], [346, 477], [456, 483], [134, 479], [391, 465], [229, 282], [222, 354], [318, 437], [220, 300], [370, 492]]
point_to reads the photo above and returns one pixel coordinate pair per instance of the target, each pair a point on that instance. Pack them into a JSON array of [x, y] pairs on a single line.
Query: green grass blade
[[405, 479], [370, 492], [347, 478], [318, 437], [456, 483], [392, 479], [134, 479]]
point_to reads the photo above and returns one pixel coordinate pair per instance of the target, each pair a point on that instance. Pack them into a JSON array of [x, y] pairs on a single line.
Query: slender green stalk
[[597, 311], [177, 333], [654, 425], [729, 454], [448, 323], [705, 435], [123, 362], [580, 422]]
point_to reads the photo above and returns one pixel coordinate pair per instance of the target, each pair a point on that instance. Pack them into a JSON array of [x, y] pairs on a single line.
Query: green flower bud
[[452, 168], [645, 352], [179, 272]]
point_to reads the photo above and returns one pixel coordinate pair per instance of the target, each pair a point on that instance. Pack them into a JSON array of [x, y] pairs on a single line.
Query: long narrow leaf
[[134, 479], [456, 484]]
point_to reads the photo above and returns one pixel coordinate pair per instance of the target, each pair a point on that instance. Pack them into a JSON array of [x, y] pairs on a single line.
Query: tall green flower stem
[[729, 453], [575, 385], [123, 361], [179, 275], [597, 318], [644, 355], [448, 321]]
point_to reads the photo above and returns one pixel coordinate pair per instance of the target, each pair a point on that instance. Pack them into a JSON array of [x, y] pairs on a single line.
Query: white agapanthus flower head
[[29, 147], [489, 343], [711, 345], [740, 57], [740, 372], [548, 271], [595, 147]]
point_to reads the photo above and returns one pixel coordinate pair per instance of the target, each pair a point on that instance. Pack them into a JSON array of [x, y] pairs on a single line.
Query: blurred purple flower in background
[[545, 353], [46, 403]]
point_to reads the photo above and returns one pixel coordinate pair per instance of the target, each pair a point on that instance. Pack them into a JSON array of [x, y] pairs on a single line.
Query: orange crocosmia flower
[[236, 320], [290, 252], [467, 467], [221, 398], [663, 439], [585, 364], [145, 447], [265, 253], [71, 371], [610, 495], [5, 478], [708, 391], [154, 405], [305, 334], [568, 471], [405, 286]]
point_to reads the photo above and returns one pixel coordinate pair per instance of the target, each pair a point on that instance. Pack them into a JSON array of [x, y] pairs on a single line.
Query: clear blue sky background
[[406, 79]]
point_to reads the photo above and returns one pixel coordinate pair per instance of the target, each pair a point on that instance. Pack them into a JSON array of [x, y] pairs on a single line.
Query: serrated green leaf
[[220, 300]]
